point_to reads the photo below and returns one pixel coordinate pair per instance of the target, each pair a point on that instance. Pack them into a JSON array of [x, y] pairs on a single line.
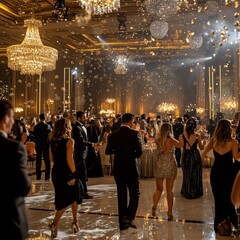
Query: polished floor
[[193, 219]]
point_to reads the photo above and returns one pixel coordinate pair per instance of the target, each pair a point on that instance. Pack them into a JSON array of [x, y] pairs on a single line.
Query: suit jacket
[[178, 130], [116, 125], [81, 142], [15, 185], [41, 132], [126, 146]]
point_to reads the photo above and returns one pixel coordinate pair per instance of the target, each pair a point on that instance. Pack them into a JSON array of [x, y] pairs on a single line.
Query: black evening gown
[[222, 177], [192, 186], [65, 195], [93, 161]]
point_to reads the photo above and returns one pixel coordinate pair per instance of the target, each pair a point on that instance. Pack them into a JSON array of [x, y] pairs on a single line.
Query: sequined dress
[[165, 165], [192, 186]]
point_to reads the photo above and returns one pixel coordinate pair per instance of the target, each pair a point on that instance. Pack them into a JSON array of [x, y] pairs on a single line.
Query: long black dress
[[93, 161], [65, 195], [222, 177], [192, 171]]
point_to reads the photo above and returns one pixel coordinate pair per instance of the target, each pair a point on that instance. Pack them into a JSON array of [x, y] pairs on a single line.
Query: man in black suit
[[178, 129], [118, 123], [126, 146], [81, 145], [14, 179], [41, 132], [53, 120]]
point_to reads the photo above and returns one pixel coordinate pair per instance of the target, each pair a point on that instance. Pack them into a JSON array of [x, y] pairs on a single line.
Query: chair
[[31, 150]]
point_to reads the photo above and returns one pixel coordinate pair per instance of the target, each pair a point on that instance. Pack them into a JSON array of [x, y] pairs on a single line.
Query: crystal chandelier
[[31, 56], [110, 100], [99, 7], [121, 65], [166, 107]]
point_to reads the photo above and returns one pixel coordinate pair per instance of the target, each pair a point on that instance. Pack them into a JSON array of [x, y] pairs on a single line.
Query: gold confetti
[[220, 44], [228, 3], [236, 14], [236, 24], [212, 32], [224, 16], [208, 23], [236, 4], [193, 21]]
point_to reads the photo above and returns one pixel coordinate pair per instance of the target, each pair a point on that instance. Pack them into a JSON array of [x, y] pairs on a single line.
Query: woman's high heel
[[75, 227], [53, 229], [169, 216], [154, 211]]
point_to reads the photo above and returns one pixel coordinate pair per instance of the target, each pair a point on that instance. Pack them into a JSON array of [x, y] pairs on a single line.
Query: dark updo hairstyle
[[190, 126]]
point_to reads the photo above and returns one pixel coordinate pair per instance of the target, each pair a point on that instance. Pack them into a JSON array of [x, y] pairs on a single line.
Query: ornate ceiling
[[83, 34]]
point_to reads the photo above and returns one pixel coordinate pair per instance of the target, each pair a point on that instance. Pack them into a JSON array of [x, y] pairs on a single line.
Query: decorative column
[[200, 101], [66, 89]]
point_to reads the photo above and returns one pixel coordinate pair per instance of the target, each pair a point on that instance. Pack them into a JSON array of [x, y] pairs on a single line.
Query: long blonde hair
[[223, 133], [164, 133], [62, 129]]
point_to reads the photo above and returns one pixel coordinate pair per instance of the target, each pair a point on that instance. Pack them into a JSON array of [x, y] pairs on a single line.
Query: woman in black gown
[[192, 186], [225, 149], [61, 154]]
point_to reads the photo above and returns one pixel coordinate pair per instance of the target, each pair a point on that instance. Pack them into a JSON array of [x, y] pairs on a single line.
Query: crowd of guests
[[80, 146]]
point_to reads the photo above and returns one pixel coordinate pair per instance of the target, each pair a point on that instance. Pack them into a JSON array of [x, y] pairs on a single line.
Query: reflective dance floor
[[193, 219]]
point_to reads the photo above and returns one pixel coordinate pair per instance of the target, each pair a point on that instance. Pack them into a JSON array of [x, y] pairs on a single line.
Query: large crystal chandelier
[[31, 56], [99, 7]]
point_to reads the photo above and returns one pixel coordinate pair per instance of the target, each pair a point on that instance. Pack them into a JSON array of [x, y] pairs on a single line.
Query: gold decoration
[[31, 56], [200, 110]]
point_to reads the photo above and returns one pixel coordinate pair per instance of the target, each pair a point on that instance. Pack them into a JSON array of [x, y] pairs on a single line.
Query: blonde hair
[[164, 133], [223, 133], [62, 129]]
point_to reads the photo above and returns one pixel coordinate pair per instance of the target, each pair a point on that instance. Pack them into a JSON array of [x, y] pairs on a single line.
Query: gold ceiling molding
[[182, 47], [8, 10], [93, 41]]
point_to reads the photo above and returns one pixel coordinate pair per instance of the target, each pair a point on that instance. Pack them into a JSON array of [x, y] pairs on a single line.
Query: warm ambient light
[[200, 110], [18, 109], [166, 107], [31, 56], [110, 100], [99, 7]]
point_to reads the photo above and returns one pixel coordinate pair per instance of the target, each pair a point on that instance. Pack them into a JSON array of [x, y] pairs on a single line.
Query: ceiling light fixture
[[99, 7], [31, 56]]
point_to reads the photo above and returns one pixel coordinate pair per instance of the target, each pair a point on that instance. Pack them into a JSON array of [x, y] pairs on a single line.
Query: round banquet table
[[145, 162]]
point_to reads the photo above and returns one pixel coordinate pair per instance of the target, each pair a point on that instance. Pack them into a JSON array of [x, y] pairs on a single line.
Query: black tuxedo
[[41, 132], [126, 146], [116, 125], [15, 185], [177, 131], [81, 151]]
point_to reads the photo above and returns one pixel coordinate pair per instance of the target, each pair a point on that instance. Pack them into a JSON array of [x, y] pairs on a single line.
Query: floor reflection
[[193, 219]]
